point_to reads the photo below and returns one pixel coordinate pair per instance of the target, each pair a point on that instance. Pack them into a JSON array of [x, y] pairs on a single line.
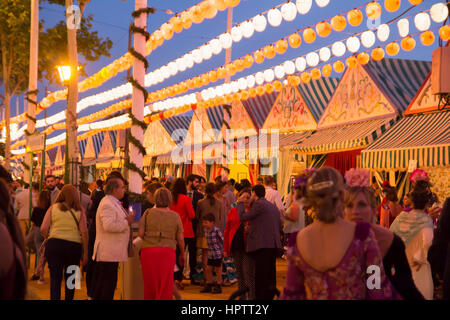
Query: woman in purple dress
[[334, 259]]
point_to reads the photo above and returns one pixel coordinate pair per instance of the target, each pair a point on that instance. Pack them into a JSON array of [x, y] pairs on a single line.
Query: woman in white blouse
[[416, 230]]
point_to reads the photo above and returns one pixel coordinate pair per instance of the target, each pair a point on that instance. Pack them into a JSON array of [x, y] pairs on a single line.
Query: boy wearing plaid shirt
[[214, 238]]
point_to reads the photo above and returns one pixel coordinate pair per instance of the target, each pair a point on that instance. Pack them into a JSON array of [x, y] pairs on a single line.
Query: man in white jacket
[[111, 242]]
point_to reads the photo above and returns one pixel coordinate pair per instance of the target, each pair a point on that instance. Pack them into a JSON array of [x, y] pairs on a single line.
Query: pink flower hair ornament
[[357, 178], [419, 175]]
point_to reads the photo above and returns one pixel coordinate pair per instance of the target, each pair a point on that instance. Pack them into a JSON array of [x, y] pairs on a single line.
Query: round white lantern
[[226, 88], [383, 32], [269, 75], [247, 29], [180, 64], [242, 84], [189, 59], [216, 46], [289, 11], [422, 21], [236, 34], [300, 64], [303, 6], [219, 91], [251, 81], [234, 87], [322, 3], [312, 59], [225, 40], [274, 17], [197, 55], [353, 44], [368, 39], [403, 27], [212, 93], [289, 67], [439, 12], [260, 23], [325, 54], [279, 72], [259, 77], [338, 49], [206, 52]]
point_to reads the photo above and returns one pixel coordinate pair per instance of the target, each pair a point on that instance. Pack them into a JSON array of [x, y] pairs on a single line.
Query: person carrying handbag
[[65, 230]]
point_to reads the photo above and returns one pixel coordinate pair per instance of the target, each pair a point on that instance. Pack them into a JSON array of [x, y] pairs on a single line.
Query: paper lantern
[[212, 75], [338, 49], [189, 60], [353, 44], [392, 5], [274, 17], [368, 39], [279, 72], [392, 49], [408, 43], [277, 85], [281, 46], [259, 77], [206, 52], [248, 61], [355, 17], [309, 35], [260, 23], [197, 55], [338, 66], [427, 38], [269, 51], [294, 80], [221, 73], [180, 65], [236, 34], [269, 75], [295, 40], [383, 32], [242, 84], [216, 46], [373, 10], [177, 24], [422, 21], [316, 74], [260, 91], [173, 68], [403, 27], [225, 40], [338, 23], [303, 6], [247, 29], [245, 95], [197, 14], [322, 3], [186, 19], [259, 56], [312, 59], [326, 70], [305, 77], [323, 29], [268, 87], [252, 92], [232, 3], [351, 62], [289, 67], [363, 58], [377, 54], [159, 39], [288, 11], [230, 69], [444, 32], [250, 81], [325, 54], [300, 64], [239, 65], [209, 9], [226, 88], [415, 2], [439, 12]]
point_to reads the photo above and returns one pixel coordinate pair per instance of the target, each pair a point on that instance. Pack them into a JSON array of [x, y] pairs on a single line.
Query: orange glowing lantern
[[355, 17], [197, 14], [177, 24], [323, 29], [186, 19], [363, 58], [338, 23], [326, 70], [248, 61], [427, 38], [351, 62], [277, 85], [268, 87], [239, 65], [260, 90], [373, 10], [269, 51], [259, 56], [408, 43], [392, 49], [444, 32], [377, 54], [309, 35], [295, 40], [305, 77], [316, 74], [294, 80], [392, 5], [230, 69], [338, 66], [212, 76], [415, 2], [252, 92], [281, 46], [221, 73]]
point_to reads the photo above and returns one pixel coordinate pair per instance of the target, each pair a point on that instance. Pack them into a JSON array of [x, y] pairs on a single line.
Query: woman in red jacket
[[182, 204], [234, 246]]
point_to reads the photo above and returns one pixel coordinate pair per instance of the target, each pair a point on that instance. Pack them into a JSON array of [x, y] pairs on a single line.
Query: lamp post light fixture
[[65, 73]]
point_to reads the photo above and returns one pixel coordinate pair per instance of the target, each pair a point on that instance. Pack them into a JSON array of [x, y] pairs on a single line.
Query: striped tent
[[82, 147], [97, 139], [259, 107], [424, 138], [343, 138], [177, 126], [52, 154], [215, 115]]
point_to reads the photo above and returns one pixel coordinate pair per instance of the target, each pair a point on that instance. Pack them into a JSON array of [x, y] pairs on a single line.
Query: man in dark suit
[[263, 241]]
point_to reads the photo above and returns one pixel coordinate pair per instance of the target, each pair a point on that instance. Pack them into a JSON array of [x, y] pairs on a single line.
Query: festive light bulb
[[242, 84], [269, 51], [260, 23], [189, 60], [269, 75], [353, 44], [383, 32], [289, 67], [323, 29], [338, 66], [305, 77], [373, 10], [167, 31], [303, 6], [392, 5], [377, 54], [325, 54], [351, 62], [338, 49], [338, 23], [206, 52], [300, 64], [427, 38], [281, 46], [392, 49], [216, 46], [186, 19], [277, 85], [312, 59], [439, 12], [355, 17], [322, 3], [274, 17], [259, 77], [368, 39], [250, 81], [403, 27], [288, 11], [415, 2], [326, 70], [422, 21], [259, 56], [236, 34], [173, 69], [295, 40], [279, 72], [247, 29], [293, 80], [363, 58], [408, 43], [225, 40], [309, 35], [180, 65], [197, 55], [316, 74], [444, 32], [197, 14], [248, 61]]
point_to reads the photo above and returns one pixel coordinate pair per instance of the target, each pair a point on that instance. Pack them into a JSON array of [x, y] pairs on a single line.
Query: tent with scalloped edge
[[89, 156], [157, 140], [200, 130], [106, 155]]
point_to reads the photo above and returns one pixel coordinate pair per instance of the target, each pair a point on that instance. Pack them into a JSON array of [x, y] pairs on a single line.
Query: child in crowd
[[214, 238]]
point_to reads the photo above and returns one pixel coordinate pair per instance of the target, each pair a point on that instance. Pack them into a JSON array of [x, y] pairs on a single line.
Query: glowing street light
[[65, 73]]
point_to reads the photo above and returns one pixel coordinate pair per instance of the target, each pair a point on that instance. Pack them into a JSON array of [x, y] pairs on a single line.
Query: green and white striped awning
[[425, 138], [346, 137]]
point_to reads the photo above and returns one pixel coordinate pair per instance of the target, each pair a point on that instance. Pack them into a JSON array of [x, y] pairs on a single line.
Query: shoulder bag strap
[[76, 221]]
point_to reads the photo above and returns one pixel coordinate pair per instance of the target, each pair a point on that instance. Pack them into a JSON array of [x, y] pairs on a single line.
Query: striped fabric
[[399, 79], [215, 115], [97, 139], [178, 122], [346, 137], [317, 94], [285, 140], [82, 147], [425, 138], [259, 107], [52, 154], [113, 135]]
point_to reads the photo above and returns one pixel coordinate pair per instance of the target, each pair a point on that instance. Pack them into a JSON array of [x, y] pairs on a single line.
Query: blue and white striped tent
[[259, 107], [424, 138], [215, 115], [177, 126]]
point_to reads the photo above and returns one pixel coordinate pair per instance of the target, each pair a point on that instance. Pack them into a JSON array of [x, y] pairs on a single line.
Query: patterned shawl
[[408, 224]]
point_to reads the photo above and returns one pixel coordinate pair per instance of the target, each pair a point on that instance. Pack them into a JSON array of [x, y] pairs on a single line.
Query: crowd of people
[[341, 239]]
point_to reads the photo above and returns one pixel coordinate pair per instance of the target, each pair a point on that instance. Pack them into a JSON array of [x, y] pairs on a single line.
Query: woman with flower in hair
[[360, 204], [331, 256]]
